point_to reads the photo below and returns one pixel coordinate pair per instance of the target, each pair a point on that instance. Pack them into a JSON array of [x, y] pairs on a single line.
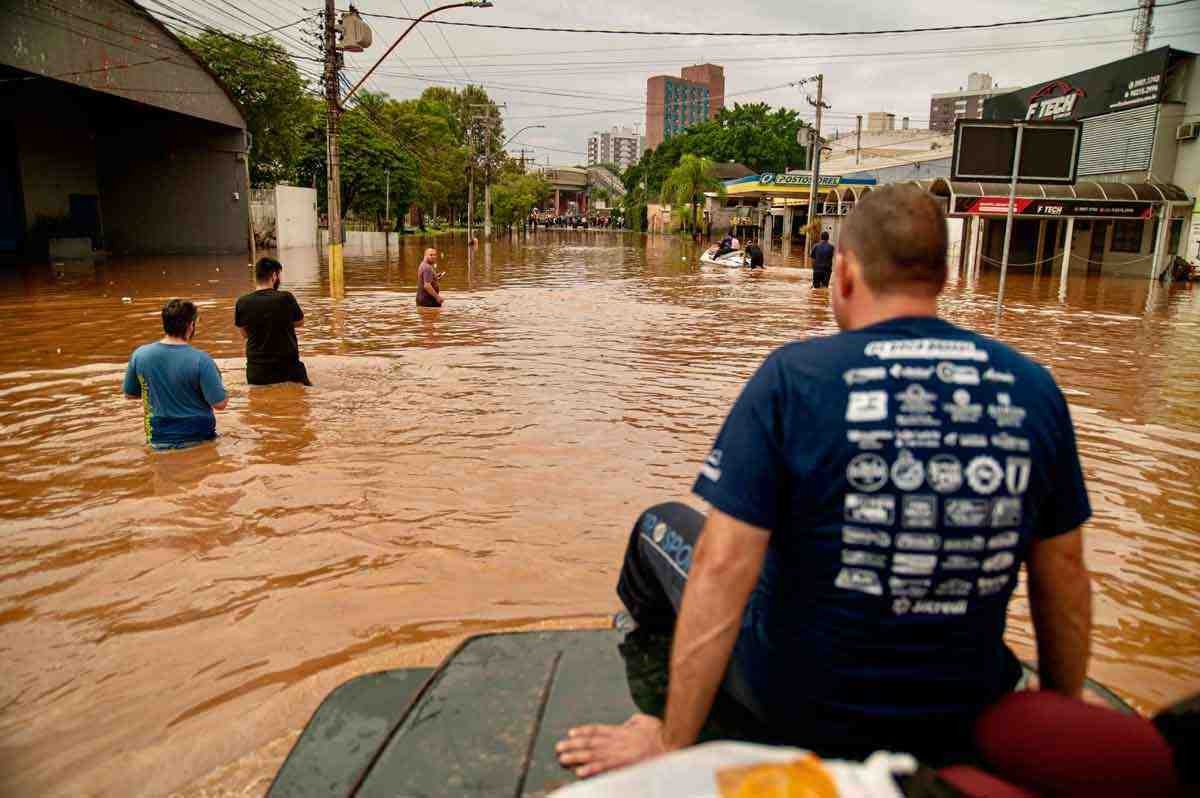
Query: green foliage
[[271, 92], [754, 135], [687, 183], [515, 194]]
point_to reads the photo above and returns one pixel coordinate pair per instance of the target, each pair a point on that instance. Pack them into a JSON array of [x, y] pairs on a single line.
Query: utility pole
[[858, 139], [470, 186], [333, 188], [1143, 26], [387, 209], [820, 105]]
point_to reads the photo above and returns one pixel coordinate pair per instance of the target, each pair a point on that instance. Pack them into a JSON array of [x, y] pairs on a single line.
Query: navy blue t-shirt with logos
[[902, 471]]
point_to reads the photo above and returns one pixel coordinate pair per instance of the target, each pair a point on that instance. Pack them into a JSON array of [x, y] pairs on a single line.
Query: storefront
[[1139, 146], [1103, 228], [777, 204]]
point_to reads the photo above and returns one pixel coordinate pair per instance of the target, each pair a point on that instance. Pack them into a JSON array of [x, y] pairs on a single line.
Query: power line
[[457, 60], [618, 65], [790, 34]]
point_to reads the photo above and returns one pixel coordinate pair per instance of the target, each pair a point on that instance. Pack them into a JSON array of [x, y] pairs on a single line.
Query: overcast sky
[[576, 83]]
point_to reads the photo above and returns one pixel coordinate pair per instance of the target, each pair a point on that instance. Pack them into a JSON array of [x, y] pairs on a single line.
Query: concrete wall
[[173, 185], [56, 158], [166, 183], [922, 170], [295, 216]]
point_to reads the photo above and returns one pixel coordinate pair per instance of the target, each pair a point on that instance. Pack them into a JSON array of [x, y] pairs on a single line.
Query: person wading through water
[[268, 318]]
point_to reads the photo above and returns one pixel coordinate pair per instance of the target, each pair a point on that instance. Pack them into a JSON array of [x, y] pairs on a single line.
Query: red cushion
[[1065, 747]]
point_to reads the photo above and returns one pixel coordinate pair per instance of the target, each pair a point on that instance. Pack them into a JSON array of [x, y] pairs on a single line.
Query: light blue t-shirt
[[178, 385]]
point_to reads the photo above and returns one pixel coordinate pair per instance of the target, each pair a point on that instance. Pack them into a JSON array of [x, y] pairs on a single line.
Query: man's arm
[[1060, 600], [298, 323], [245, 333], [431, 289], [725, 568]]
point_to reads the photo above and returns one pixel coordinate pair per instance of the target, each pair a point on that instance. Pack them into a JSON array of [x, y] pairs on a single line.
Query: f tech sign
[[1046, 208], [1056, 100]]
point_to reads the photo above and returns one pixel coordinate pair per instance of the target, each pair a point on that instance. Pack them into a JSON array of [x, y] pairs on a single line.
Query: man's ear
[[843, 280]]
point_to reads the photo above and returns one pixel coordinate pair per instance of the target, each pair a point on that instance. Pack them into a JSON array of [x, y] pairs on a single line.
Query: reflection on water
[[460, 470]]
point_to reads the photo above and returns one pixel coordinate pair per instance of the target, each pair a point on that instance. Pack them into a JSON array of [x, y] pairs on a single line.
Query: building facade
[[675, 103], [620, 146], [880, 120], [1139, 169], [133, 149], [967, 103]]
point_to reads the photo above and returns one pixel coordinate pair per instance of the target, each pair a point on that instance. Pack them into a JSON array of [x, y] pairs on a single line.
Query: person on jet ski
[[728, 244]]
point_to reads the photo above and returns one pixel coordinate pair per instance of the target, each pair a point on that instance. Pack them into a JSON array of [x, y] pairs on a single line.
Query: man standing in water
[[822, 257], [874, 494], [179, 386], [267, 318], [429, 292]]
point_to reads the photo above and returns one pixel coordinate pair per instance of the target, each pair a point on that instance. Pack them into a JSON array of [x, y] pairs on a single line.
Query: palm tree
[[688, 182]]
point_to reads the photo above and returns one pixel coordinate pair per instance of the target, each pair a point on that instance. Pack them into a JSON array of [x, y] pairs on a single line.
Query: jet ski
[[736, 259]]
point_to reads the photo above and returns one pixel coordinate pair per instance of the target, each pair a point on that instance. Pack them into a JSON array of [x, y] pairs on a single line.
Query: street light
[[408, 30], [519, 132]]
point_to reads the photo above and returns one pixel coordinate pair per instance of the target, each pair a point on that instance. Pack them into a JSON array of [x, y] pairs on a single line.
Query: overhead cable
[[784, 34]]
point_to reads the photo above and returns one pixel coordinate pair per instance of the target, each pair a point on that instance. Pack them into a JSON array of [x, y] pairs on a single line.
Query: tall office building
[[674, 103], [962, 104], [620, 146]]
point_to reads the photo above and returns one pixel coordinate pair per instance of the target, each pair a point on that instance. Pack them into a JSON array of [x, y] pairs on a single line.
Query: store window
[[1127, 236]]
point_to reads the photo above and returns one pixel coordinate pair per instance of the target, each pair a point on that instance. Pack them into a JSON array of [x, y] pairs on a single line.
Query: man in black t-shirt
[[267, 319], [822, 256], [754, 254]]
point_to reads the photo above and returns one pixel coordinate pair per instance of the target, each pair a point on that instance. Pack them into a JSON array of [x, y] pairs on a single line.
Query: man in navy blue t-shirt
[[874, 495]]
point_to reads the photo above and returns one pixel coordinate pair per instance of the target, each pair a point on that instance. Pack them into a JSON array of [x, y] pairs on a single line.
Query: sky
[[573, 84]]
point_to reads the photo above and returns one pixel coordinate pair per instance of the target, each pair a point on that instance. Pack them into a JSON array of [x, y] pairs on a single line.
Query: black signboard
[[984, 151], [1128, 83], [1052, 208]]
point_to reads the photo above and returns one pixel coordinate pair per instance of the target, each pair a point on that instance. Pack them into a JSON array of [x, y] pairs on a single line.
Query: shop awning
[[1084, 189], [1087, 199]]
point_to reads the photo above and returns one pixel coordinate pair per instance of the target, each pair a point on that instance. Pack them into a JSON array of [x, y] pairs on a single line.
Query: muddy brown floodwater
[[169, 621]]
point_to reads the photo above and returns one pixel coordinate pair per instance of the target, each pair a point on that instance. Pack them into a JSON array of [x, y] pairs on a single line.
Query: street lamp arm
[[519, 132], [408, 30]]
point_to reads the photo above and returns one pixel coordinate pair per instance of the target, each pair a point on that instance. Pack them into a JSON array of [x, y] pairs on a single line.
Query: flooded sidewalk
[[168, 621]]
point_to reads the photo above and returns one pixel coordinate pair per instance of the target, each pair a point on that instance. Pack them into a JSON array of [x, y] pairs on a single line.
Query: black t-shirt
[[756, 256], [269, 316], [822, 255]]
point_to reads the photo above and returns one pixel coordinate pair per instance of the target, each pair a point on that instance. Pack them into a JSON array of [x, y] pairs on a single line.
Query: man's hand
[[591, 750]]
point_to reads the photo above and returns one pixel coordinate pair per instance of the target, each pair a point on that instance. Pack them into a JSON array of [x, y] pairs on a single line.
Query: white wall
[[295, 216]]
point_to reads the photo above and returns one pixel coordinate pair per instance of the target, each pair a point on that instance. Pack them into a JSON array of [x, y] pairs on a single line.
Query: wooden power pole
[[333, 188], [820, 105]]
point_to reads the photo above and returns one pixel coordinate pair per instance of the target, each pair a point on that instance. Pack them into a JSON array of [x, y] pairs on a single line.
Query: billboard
[[1128, 83], [984, 152]]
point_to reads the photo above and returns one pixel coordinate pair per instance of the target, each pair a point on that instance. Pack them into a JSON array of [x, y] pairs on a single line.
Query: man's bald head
[[897, 234], [431, 255]]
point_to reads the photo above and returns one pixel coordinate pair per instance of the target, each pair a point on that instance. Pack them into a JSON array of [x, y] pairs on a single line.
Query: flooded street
[[168, 622]]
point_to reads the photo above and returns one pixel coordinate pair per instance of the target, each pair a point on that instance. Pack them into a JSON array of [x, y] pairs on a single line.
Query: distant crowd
[[576, 222]]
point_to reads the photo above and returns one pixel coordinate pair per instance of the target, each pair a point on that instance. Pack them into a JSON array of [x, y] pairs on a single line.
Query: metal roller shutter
[[1118, 142]]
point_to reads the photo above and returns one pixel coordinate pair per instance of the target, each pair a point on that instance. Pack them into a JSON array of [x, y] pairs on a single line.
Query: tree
[[515, 194], [754, 135], [374, 162], [688, 182], [264, 81]]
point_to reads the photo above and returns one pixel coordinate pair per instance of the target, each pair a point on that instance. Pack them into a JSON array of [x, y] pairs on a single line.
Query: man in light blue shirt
[[179, 385]]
